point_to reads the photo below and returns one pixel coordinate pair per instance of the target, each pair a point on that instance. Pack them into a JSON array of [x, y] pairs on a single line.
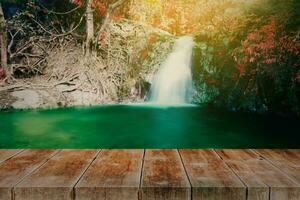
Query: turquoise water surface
[[140, 126]]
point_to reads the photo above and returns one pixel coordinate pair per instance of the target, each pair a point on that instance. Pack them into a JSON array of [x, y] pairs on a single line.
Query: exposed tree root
[[45, 59]]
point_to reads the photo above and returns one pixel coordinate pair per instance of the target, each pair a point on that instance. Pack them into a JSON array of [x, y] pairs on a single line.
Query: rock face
[[30, 99], [26, 99], [83, 98], [63, 95]]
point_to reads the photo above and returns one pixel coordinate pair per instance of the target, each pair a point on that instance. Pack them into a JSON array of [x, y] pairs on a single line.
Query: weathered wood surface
[[15, 169], [287, 160], [55, 180], [210, 177], [164, 176], [237, 155], [8, 153], [263, 180], [150, 174], [115, 174]]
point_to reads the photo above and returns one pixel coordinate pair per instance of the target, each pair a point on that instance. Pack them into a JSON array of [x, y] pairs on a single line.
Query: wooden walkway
[[150, 174]]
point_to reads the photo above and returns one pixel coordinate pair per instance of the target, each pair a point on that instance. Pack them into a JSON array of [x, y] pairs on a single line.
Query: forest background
[[61, 52]]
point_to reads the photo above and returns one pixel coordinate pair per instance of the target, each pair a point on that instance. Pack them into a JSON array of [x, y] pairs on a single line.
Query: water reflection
[[140, 126]]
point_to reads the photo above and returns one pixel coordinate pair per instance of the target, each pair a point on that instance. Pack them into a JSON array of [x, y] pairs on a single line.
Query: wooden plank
[[210, 177], [257, 189], [115, 174], [237, 155], [6, 154], [287, 156], [164, 177], [199, 156], [56, 178], [259, 176], [286, 160], [13, 170]]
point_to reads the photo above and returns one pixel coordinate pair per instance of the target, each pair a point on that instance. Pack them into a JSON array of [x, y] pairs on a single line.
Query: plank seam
[[32, 171], [225, 162], [141, 176], [270, 190], [191, 187], [35, 169], [182, 181], [20, 151], [258, 154], [276, 167], [73, 195], [247, 192]]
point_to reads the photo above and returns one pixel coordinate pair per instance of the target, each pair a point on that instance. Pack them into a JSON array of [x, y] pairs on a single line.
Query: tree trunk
[[89, 26], [90, 21], [110, 9], [3, 43]]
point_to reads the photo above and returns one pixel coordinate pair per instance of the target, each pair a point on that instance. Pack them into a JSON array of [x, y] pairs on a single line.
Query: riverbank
[[45, 99]]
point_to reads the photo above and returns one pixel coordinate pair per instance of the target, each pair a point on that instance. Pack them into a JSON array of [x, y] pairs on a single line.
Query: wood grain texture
[[56, 178], [287, 160], [210, 177], [238, 155], [164, 176], [257, 189], [115, 175], [8, 153], [15, 169], [262, 178], [149, 175]]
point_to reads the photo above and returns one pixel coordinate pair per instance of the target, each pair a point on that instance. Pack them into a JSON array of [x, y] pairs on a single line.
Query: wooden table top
[[151, 174]]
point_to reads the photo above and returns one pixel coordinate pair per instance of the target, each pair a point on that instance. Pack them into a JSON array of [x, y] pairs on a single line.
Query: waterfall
[[172, 84]]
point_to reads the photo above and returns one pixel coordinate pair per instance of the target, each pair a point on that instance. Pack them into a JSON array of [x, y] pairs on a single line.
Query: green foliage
[[247, 55], [256, 67]]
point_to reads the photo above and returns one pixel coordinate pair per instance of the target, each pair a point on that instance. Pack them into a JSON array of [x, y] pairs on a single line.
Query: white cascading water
[[172, 84]]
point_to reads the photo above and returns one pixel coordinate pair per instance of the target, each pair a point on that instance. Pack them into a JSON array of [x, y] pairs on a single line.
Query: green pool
[[142, 126]]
